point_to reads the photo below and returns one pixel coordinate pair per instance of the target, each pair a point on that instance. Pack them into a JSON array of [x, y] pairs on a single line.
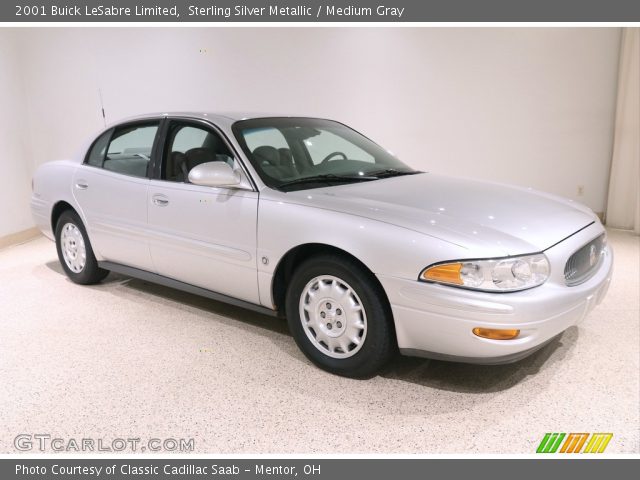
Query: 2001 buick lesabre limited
[[308, 219]]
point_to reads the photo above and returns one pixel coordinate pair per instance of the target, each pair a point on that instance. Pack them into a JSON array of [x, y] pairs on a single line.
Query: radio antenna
[[104, 118]]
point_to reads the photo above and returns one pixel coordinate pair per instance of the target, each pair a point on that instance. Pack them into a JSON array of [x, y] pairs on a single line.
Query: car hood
[[489, 218]]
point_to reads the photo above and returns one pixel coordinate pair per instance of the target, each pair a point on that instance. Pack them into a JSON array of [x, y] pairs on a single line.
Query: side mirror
[[214, 174]]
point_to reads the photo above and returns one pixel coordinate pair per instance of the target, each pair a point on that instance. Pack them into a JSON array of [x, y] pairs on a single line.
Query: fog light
[[495, 333]]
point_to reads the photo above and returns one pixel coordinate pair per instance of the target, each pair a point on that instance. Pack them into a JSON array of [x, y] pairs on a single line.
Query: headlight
[[498, 275]]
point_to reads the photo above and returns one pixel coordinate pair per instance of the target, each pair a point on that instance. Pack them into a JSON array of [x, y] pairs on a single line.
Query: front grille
[[584, 262]]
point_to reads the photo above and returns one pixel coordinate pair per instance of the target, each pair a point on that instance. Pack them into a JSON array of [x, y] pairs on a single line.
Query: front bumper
[[436, 321]]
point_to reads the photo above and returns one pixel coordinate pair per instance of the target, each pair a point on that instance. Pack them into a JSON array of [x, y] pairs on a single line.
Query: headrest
[[199, 155], [177, 159], [267, 154], [213, 143], [286, 158]]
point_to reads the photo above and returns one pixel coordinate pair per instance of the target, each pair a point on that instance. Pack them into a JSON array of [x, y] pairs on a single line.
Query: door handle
[[160, 200], [82, 185]]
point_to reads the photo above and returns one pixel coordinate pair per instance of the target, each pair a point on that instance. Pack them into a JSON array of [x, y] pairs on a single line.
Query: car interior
[[180, 160], [276, 162], [132, 161], [129, 150]]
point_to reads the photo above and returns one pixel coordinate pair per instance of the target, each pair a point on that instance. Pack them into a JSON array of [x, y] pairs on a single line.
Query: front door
[[199, 235]]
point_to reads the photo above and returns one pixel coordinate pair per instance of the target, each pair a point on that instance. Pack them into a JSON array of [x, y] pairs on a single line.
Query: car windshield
[[301, 153]]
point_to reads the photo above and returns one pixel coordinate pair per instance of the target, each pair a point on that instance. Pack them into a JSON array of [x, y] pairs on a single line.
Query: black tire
[[379, 343], [91, 273]]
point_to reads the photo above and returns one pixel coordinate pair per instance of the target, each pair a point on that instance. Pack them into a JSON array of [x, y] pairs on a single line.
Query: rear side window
[[98, 150], [129, 151]]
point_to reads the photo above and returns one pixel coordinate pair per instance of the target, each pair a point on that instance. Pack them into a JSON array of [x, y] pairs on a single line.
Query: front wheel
[[339, 316], [75, 252]]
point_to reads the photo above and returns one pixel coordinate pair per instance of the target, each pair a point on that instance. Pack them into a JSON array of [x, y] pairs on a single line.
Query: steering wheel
[[331, 155]]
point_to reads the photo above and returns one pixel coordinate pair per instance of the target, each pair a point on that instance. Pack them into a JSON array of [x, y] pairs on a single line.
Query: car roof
[[224, 117]]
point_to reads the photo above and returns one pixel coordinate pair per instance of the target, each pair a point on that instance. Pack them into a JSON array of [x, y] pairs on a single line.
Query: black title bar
[[622, 11], [315, 469]]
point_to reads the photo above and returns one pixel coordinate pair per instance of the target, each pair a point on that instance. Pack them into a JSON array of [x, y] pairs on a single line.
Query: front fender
[[386, 249]]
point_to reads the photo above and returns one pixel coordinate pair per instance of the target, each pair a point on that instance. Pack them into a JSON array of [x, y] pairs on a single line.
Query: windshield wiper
[[391, 172], [328, 177]]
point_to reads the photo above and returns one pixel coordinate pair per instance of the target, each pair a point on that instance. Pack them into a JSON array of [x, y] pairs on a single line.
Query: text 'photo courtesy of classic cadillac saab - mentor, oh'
[[308, 219]]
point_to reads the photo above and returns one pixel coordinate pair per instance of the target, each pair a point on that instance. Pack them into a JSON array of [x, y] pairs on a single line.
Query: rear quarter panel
[[52, 183]]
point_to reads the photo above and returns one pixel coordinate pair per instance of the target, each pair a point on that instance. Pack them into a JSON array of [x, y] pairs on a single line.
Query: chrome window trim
[[113, 128]]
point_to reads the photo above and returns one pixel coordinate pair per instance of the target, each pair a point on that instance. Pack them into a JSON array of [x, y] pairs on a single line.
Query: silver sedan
[[308, 219]]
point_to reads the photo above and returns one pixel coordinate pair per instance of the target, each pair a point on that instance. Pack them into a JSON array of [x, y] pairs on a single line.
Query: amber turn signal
[[447, 273], [495, 333]]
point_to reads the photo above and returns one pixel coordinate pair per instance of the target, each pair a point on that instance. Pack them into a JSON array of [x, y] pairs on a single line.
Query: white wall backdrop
[[15, 176], [531, 106], [623, 206]]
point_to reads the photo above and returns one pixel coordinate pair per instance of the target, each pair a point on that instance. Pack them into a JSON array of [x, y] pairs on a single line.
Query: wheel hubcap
[[73, 248], [333, 317]]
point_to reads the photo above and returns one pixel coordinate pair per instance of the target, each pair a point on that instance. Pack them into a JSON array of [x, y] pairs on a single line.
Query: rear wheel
[[75, 252], [339, 316]]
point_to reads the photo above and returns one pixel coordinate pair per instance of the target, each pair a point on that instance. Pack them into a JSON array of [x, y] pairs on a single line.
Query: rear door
[[202, 236], [111, 188]]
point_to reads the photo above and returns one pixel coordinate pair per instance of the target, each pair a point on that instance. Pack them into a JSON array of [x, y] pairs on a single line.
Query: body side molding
[[185, 287]]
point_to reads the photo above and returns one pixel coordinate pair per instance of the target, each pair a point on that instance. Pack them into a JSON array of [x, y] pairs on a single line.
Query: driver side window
[[189, 145], [325, 144]]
